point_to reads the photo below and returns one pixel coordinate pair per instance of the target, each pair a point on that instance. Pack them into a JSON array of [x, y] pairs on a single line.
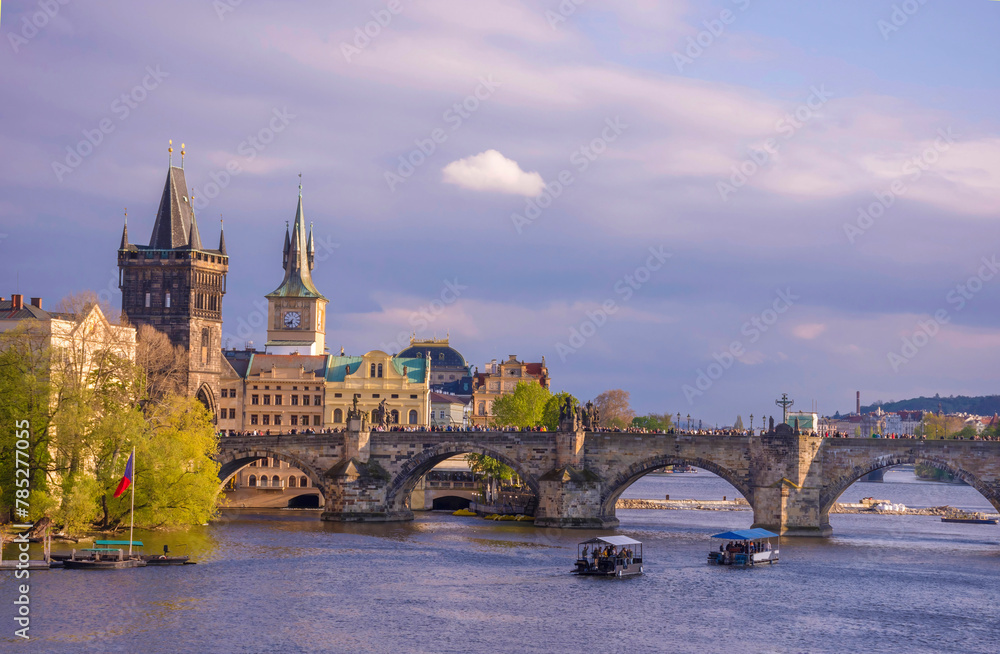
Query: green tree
[[524, 407], [553, 408], [493, 474], [653, 422]]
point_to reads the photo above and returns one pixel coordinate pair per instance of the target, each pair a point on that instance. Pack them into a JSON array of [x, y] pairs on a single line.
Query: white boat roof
[[612, 540]]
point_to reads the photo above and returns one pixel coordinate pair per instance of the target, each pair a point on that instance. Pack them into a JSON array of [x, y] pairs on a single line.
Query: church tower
[[176, 285], [296, 311]]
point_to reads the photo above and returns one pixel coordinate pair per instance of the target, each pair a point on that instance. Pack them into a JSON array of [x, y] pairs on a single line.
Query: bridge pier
[[785, 468], [357, 484]]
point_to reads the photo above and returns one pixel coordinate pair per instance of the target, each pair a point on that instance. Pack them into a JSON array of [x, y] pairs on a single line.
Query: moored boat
[[746, 547], [971, 518], [609, 556], [104, 558]]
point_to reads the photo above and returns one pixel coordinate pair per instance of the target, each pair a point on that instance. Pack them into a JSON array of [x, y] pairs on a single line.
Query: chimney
[[859, 403], [17, 301], [36, 302]]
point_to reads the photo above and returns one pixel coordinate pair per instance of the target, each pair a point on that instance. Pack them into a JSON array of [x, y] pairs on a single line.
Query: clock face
[[292, 319]]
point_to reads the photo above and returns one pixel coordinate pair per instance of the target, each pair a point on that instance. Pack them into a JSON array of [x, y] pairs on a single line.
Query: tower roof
[[175, 226], [298, 276]]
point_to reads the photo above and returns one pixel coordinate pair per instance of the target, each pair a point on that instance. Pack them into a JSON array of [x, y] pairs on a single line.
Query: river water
[[282, 581]]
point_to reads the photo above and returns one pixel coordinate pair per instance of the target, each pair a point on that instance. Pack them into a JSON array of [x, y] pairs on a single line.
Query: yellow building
[[401, 382], [501, 379]]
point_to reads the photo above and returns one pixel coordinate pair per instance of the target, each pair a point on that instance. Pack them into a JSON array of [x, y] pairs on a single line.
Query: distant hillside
[[982, 406]]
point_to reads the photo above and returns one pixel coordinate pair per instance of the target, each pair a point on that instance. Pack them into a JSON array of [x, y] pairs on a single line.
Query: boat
[[104, 558], [966, 517], [609, 556], [746, 547]]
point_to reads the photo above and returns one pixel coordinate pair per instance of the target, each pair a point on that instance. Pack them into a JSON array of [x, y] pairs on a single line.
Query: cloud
[[491, 171], [808, 331]]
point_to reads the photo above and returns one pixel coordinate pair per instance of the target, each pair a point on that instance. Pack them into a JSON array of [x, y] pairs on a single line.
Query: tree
[[164, 364], [522, 408], [614, 408], [653, 422], [492, 473], [553, 409]]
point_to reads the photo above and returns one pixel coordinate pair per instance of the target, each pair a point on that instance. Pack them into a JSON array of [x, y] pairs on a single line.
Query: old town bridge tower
[[176, 285]]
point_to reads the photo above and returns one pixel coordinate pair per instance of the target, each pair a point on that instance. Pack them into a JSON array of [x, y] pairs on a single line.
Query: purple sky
[[565, 149]]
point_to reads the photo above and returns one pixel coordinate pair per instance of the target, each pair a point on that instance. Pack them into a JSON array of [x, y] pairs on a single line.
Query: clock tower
[[296, 311]]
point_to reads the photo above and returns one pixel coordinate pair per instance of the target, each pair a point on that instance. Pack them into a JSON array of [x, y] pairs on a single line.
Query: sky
[[707, 204]]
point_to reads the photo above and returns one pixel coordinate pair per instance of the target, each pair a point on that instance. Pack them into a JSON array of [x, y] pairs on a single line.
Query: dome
[[442, 356]]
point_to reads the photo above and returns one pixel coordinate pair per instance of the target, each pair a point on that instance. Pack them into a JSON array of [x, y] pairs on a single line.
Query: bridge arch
[[832, 491], [402, 484], [233, 461], [617, 485]]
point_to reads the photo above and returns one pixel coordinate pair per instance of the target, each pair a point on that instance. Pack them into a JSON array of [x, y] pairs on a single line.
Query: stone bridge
[[790, 480]]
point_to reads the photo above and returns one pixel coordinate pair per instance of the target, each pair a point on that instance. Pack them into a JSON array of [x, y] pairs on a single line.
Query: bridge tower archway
[[614, 488], [397, 498]]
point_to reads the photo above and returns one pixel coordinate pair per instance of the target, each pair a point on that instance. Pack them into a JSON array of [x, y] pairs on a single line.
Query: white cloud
[[491, 171], [808, 331]]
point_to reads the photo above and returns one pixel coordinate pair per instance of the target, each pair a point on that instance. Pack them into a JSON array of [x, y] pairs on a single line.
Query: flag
[[127, 478]]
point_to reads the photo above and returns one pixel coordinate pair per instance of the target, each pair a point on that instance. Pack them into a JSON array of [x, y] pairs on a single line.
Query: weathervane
[[784, 403]]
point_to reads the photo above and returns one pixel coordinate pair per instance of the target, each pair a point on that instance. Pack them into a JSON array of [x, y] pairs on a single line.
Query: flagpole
[[132, 511]]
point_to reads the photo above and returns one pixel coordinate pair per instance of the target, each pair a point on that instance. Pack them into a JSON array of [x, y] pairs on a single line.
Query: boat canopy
[[612, 540], [137, 543], [746, 534]]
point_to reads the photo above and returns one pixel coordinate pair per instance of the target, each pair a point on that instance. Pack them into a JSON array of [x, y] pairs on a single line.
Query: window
[[252, 482], [295, 400], [225, 392], [277, 419], [276, 481], [482, 408], [291, 482], [267, 420], [166, 300], [338, 395], [338, 416], [451, 377], [395, 416], [232, 414], [204, 346], [253, 419], [255, 399], [147, 299], [380, 370], [413, 417], [267, 400], [222, 414], [263, 481], [305, 400], [372, 371], [277, 400], [413, 397], [305, 421], [440, 376], [376, 396], [303, 482], [316, 421], [295, 420], [317, 401], [395, 396]]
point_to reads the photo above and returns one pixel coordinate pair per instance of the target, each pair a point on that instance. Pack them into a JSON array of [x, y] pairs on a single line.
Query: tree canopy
[[615, 408], [525, 407]]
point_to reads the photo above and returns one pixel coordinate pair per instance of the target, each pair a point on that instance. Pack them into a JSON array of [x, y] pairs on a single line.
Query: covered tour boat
[[746, 547], [105, 558], [972, 518], [609, 556]]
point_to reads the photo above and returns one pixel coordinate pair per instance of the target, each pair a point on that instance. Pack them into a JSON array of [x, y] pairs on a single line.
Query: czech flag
[[127, 479]]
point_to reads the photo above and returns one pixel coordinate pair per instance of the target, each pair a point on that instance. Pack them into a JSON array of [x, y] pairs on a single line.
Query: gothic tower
[[296, 311], [176, 285]]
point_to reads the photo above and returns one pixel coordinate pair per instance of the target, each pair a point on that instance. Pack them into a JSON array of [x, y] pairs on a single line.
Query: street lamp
[[689, 422], [751, 423]]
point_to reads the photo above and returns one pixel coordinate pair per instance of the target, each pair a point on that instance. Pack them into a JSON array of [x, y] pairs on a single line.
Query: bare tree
[[164, 364], [615, 409]]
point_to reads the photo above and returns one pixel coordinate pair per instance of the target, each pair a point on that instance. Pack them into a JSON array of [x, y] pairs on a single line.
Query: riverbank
[[741, 504]]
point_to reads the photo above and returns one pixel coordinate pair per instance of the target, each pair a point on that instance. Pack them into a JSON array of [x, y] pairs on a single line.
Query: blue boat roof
[[746, 534]]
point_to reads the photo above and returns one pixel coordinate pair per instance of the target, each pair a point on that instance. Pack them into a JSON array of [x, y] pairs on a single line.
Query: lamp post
[[689, 422], [751, 424]]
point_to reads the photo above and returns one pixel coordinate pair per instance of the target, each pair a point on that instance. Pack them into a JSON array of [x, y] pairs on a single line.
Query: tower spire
[[222, 235], [170, 152], [310, 248], [125, 232], [288, 245]]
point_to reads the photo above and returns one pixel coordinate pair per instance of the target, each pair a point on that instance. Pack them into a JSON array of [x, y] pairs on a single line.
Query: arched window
[[372, 371], [263, 481], [413, 417], [275, 482], [204, 346], [482, 408], [291, 482], [380, 370], [338, 416], [395, 416], [252, 482], [303, 482]]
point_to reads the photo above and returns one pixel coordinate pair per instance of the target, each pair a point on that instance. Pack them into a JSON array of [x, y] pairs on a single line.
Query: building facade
[[501, 379], [449, 372], [176, 285]]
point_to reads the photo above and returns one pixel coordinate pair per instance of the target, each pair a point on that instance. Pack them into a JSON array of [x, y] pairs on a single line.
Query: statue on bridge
[[354, 413], [381, 415], [590, 416]]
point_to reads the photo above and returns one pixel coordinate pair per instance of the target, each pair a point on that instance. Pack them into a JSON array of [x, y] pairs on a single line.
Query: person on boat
[[586, 550]]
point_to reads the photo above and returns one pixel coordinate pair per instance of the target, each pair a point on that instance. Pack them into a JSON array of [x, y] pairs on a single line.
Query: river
[[282, 581]]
